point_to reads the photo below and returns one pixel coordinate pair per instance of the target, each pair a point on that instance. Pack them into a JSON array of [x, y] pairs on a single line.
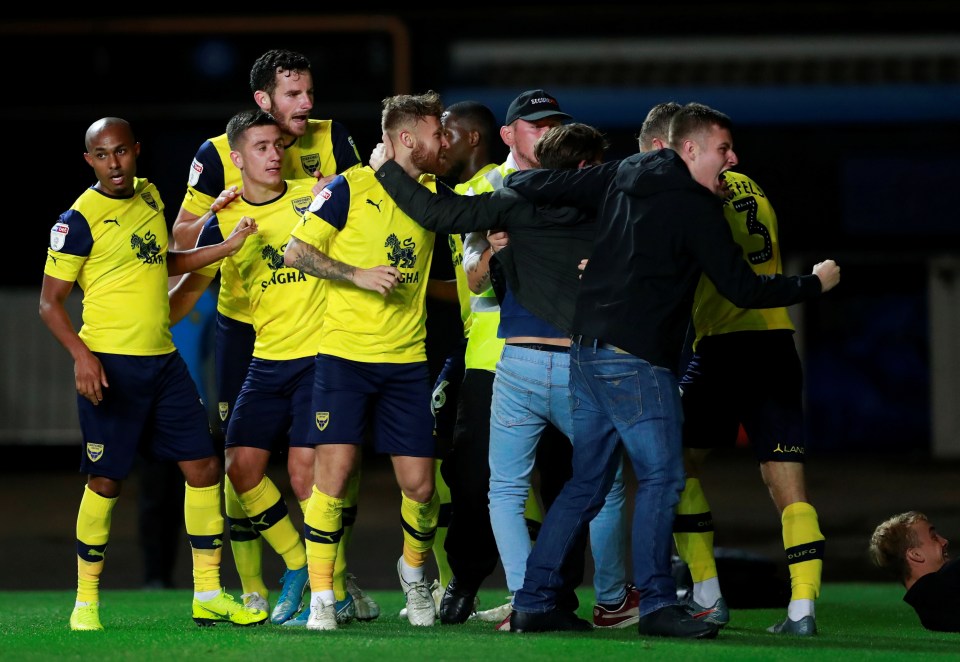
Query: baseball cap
[[534, 105]]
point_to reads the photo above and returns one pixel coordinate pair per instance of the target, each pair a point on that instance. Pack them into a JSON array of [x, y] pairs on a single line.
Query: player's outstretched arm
[[187, 226], [311, 260], [181, 262], [828, 272]]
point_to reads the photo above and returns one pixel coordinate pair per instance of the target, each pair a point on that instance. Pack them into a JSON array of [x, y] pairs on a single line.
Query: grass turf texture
[[856, 622]]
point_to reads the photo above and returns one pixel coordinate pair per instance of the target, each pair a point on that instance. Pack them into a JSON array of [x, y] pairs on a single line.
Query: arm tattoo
[[312, 261]]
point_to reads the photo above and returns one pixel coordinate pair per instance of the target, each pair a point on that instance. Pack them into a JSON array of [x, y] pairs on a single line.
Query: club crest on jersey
[[58, 235], [272, 257], [300, 205], [323, 420], [223, 408], [148, 249], [401, 255], [310, 163], [94, 451], [150, 201], [318, 201], [196, 169]]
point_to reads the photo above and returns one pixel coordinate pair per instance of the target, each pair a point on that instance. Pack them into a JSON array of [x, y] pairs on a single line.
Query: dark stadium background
[[861, 164]]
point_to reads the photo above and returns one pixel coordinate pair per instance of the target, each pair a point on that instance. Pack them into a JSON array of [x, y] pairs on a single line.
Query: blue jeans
[[617, 398], [531, 389]]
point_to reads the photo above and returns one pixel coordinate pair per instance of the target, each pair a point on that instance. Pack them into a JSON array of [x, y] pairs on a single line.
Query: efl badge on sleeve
[[94, 451], [196, 169], [323, 419], [224, 409], [58, 235], [318, 201]]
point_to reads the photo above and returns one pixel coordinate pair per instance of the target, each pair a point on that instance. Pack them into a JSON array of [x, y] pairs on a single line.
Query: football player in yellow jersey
[[371, 360], [744, 370], [131, 382], [281, 82]]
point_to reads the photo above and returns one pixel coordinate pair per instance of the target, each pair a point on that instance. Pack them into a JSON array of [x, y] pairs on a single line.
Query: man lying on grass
[[909, 546]]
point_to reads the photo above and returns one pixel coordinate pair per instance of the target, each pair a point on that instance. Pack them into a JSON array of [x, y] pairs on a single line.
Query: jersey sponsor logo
[[284, 277], [196, 169], [310, 163], [112, 220], [58, 235], [323, 420], [318, 201], [375, 204], [301, 204], [223, 408], [401, 255], [279, 274], [147, 247], [94, 451], [150, 201]]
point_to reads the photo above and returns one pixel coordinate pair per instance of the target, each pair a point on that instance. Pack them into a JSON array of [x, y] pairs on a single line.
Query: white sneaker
[[323, 615], [496, 614], [436, 591], [255, 601], [421, 609], [365, 608]]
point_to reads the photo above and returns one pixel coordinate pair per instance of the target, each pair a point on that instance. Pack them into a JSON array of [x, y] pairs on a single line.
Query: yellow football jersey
[[116, 251], [326, 146], [754, 225], [354, 221], [286, 305]]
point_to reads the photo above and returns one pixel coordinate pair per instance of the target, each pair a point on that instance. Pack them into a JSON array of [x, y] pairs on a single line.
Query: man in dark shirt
[[909, 546], [660, 226]]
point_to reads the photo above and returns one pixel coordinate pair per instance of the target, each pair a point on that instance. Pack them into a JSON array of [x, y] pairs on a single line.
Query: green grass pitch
[[856, 622]]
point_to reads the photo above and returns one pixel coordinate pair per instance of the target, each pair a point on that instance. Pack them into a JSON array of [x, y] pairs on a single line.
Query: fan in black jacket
[[660, 226]]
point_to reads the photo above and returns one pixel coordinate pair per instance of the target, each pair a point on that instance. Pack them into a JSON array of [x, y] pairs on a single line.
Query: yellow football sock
[[268, 512], [93, 532], [693, 532], [443, 521], [804, 546], [323, 528], [349, 518], [201, 513], [419, 522], [246, 546]]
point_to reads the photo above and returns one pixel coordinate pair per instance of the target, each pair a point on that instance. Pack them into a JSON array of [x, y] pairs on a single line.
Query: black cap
[[534, 105]]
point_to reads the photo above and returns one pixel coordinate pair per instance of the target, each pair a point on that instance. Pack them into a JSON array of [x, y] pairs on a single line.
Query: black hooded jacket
[[658, 230], [546, 245]]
